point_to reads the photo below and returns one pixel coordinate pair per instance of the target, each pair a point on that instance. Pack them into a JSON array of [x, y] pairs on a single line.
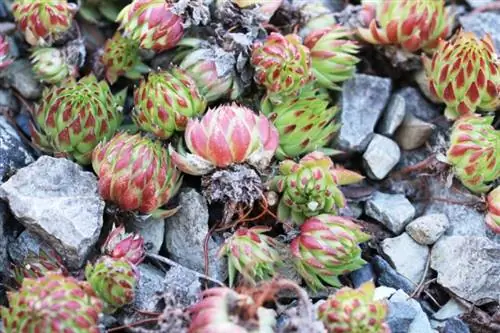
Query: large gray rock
[[400, 315], [451, 309], [364, 98], [151, 229], [392, 210], [427, 229], [20, 76], [380, 157], [57, 200], [183, 284], [149, 288], [417, 105], [468, 266], [185, 234], [393, 116], [25, 243], [420, 323], [409, 257], [413, 132], [479, 3], [13, 153], [483, 23], [4, 259]]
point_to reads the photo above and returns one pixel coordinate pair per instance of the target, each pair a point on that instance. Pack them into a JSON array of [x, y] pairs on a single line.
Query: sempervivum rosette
[[38, 265], [221, 310], [113, 280], [43, 21], [282, 65], [332, 55], [354, 311], [5, 59], [152, 24], [52, 303], [493, 214], [73, 118], [251, 253], [50, 65], [165, 100], [136, 173], [310, 187], [474, 152], [122, 245], [464, 73], [412, 25], [305, 123], [327, 246]]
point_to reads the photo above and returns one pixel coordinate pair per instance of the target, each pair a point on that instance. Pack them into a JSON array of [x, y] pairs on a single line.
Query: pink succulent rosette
[[5, 59], [123, 245]]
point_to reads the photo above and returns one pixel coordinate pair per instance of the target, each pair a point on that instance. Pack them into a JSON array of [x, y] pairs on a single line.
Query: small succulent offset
[[493, 214], [165, 100], [122, 245], [50, 65], [113, 280], [305, 123], [251, 253], [5, 58], [52, 303], [464, 73], [354, 311], [327, 246], [332, 55], [43, 21], [73, 118], [152, 24], [121, 58], [282, 65], [474, 152], [221, 311], [412, 25], [38, 265], [311, 187], [136, 173], [225, 135]]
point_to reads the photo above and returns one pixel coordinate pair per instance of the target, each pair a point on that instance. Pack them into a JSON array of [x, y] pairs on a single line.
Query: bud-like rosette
[[121, 58], [310, 187], [266, 8], [164, 101], [52, 303], [223, 310], [38, 265], [73, 118], [43, 21], [333, 56], [5, 58], [136, 173], [252, 254], [50, 65], [226, 135], [282, 65], [328, 246], [412, 25], [152, 24], [493, 214], [122, 245], [113, 280], [354, 311], [305, 123], [474, 152], [464, 73]]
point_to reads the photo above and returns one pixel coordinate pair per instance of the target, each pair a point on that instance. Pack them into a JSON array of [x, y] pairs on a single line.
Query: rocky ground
[[431, 253]]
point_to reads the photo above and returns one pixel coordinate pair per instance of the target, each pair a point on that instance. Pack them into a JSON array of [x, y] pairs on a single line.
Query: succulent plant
[[152, 24], [122, 245], [311, 15], [136, 173], [73, 118], [310, 187], [474, 152], [113, 280], [52, 303], [221, 310], [412, 25], [165, 101], [354, 311], [5, 58], [43, 21], [226, 135], [38, 265], [251, 253], [493, 214], [97, 11], [121, 58], [327, 246], [266, 8], [305, 123], [464, 73], [50, 65], [332, 55], [282, 65]]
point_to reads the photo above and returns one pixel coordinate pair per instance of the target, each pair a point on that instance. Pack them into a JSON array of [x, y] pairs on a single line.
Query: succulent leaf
[[122, 245], [493, 214], [50, 65], [5, 58], [38, 265]]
